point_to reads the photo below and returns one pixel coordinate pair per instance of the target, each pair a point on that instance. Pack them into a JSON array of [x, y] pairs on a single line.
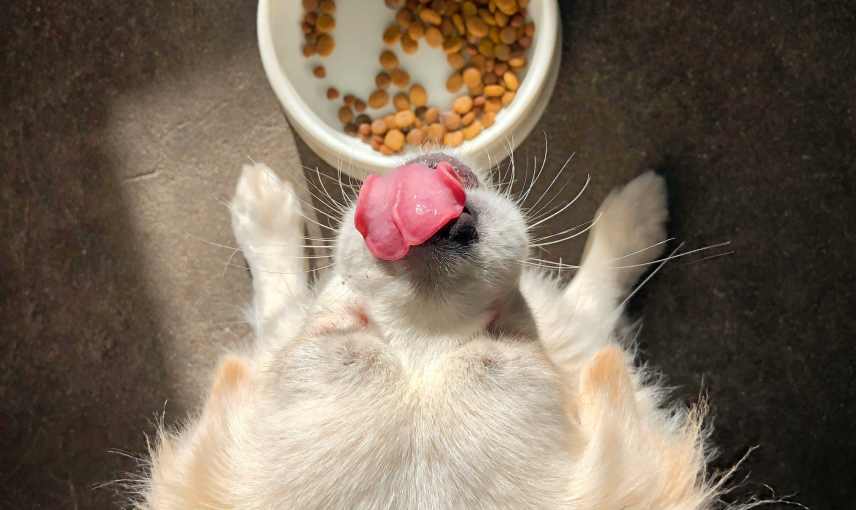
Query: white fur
[[401, 385]]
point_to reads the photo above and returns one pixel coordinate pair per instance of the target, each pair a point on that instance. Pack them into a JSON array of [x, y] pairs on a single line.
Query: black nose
[[462, 231]]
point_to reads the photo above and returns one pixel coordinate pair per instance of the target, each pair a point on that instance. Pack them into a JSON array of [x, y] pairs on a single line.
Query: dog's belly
[[348, 426]]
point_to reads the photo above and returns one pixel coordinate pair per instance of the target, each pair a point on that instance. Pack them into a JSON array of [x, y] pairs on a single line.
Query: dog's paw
[[631, 222], [265, 211]]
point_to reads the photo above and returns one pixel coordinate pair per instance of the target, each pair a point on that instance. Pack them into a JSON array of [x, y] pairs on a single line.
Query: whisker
[[670, 257], [664, 241], [647, 278], [569, 204], [709, 257]]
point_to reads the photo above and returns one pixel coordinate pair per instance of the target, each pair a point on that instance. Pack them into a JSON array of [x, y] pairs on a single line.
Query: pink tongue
[[406, 207]]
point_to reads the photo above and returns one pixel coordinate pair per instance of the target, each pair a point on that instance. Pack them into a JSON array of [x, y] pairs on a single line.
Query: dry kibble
[[434, 37], [365, 130], [351, 129], [436, 131], [456, 60], [511, 81], [468, 118], [473, 130], [452, 121], [415, 137], [453, 139], [409, 44], [388, 60], [508, 97], [400, 77], [332, 93], [478, 101], [493, 104], [362, 119], [431, 115], [404, 119], [476, 26], [359, 105], [472, 77], [494, 90], [490, 79], [418, 95], [517, 21], [517, 61], [404, 18], [310, 5], [524, 42], [382, 80], [420, 112], [391, 34], [378, 99], [469, 9], [416, 30], [325, 45], [394, 139], [389, 120], [386, 150], [453, 45], [488, 119], [309, 50], [430, 16], [349, 99], [454, 83], [327, 6], [345, 115], [325, 23], [508, 7], [500, 68], [319, 72], [379, 127], [458, 21], [401, 101], [501, 18], [508, 35], [529, 29], [376, 142], [502, 52]]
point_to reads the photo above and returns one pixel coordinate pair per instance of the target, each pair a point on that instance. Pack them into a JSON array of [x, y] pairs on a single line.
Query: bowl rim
[[324, 135]]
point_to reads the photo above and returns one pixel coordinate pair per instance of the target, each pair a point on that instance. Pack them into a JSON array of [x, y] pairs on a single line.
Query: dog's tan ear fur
[[190, 469], [637, 456]]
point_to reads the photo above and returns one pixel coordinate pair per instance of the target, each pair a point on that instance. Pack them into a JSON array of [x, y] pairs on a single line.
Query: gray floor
[[124, 125]]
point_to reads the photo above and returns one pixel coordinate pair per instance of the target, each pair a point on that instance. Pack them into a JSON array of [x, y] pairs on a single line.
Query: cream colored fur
[[498, 387]]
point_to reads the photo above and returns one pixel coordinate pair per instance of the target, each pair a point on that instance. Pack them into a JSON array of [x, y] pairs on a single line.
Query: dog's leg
[[268, 226], [629, 224]]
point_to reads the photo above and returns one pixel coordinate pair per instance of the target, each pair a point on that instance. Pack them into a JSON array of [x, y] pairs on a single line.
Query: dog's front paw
[[265, 211], [631, 222]]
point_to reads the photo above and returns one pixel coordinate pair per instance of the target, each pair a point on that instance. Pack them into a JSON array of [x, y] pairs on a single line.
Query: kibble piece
[[478, 101], [430, 16], [494, 90], [319, 72], [325, 45], [365, 130], [351, 129], [529, 29], [473, 130], [501, 18], [378, 99], [325, 23], [309, 50], [500, 68], [379, 127], [404, 18], [391, 34], [409, 44], [415, 137], [386, 150], [332, 93], [420, 112], [401, 101], [476, 26], [434, 37], [436, 131], [389, 120], [517, 20], [508, 7], [456, 60], [327, 6], [478, 61], [454, 83], [508, 35], [404, 119], [416, 30], [452, 121], [524, 42], [511, 81], [488, 119], [486, 48], [345, 115], [349, 99], [453, 44], [362, 119], [376, 141], [507, 98], [517, 61], [394, 139], [431, 115], [487, 17], [490, 79], [493, 104], [468, 118], [382, 80], [310, 5], [418, 95], [453, 139], [502, 52], [388, 60], [523, 3], [359, 105], [458, 21], [400, 77], [472, 77], [469, 9]]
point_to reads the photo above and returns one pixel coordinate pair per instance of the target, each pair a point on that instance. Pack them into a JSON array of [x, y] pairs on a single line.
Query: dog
[[436, 369]]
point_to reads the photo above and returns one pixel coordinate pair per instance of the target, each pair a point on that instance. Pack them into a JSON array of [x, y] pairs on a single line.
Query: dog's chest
[[485, 419]]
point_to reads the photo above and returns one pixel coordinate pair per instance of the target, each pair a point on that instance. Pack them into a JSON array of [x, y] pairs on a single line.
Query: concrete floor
[[124, 125]]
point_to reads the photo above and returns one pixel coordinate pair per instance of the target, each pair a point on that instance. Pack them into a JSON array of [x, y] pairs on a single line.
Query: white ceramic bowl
[[354, 63]]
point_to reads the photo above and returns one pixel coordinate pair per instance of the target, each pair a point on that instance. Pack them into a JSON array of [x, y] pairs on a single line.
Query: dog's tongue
[[406, 207]]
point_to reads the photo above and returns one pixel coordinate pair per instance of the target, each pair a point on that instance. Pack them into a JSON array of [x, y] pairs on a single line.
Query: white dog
[[449, 374]]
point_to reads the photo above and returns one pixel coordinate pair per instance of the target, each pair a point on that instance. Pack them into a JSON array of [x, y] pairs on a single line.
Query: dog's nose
[[463, 231]]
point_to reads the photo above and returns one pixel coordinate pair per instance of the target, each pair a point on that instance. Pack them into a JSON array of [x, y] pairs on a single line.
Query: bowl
[[352, 68]]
